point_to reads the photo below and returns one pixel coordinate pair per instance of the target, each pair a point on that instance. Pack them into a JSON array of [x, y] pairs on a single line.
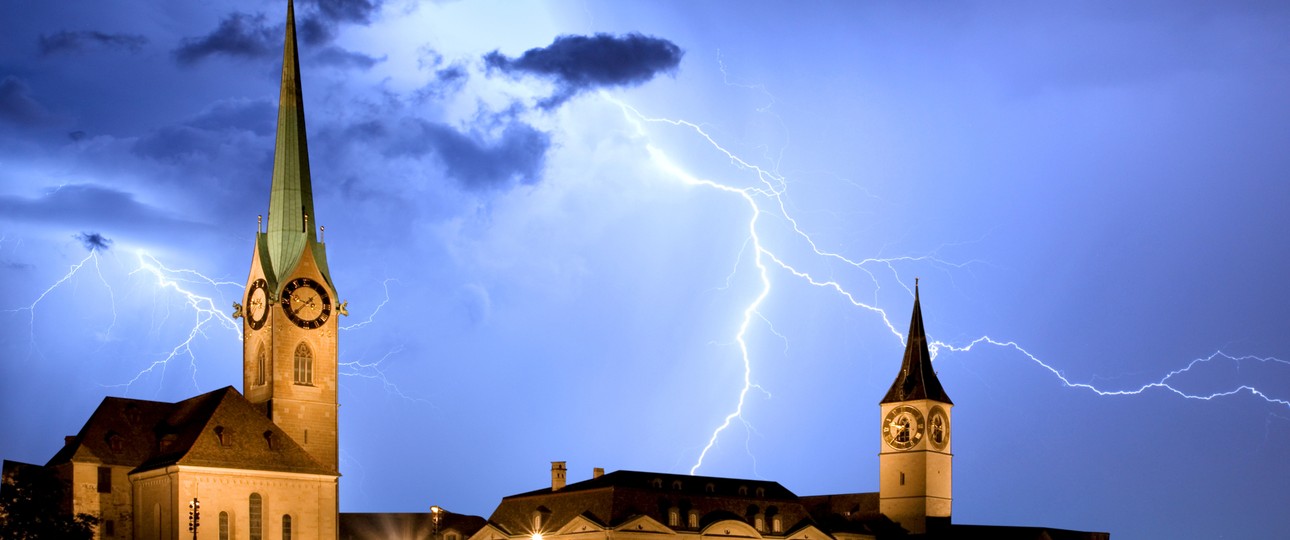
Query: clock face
[[306, 303], [903, 427], [257, 304], [938, 427]]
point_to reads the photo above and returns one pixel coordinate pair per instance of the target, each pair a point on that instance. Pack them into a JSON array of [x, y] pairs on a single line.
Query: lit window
[[223, 526], [105, 480], [673, 517], [694, 519], [304, 364], [759, 522], [776, 525], [256, 526], [286, 527]]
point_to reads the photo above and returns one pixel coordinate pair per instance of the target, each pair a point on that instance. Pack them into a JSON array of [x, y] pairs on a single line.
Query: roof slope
[[217, 429], [617, 497], [916, 380]]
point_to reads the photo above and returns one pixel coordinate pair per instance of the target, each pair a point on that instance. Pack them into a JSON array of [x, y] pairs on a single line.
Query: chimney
[[597, 472], [557, 475]]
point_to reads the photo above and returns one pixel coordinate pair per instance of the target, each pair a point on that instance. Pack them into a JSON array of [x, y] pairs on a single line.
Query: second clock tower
[[289, 346], [914, 481]]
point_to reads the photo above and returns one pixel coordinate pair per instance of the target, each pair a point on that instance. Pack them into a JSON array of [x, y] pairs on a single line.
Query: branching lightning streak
[[204, 311], [31, 308], [372, 370], [386, 285], [773, 192]]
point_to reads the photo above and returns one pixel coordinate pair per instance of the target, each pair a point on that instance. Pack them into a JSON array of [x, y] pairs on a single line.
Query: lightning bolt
[[766, 197], [205, 312]]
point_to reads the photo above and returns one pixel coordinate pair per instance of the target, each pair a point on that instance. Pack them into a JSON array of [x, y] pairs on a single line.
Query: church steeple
[[916, 379], [289, 338], [291, 202]]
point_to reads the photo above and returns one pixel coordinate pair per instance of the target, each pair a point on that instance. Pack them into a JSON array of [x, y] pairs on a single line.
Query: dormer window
[[761, 492], [709, 488], [676, 485], [657, 483], [743, 491], [673, 517], [114, 441], [221, 436]]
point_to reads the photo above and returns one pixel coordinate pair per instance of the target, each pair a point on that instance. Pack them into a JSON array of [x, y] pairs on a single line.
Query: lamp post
[[194, 516], [436, 514]]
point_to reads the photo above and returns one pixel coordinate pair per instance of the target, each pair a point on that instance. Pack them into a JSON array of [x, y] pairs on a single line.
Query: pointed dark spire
[[916, 379], [291, 202]]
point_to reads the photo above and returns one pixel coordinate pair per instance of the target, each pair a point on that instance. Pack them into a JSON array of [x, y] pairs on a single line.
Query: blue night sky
[[554, 241]]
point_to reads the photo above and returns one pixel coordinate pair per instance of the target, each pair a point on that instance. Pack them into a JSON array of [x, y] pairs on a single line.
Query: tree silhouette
[[31, 506]]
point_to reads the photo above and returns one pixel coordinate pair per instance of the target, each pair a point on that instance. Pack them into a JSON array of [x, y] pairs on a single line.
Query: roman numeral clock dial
[[903, 427], [306, 303]]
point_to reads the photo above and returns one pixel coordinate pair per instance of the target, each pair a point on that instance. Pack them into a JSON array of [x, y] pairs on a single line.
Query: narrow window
[[759, 522], [286, 527], [304, 364], [902, 479], [776, 525], [259, 366], [223, 526], [694, 519], [219, 434], [105, 480], [109, 528], [673, 517], [256, 526], [268, 439]]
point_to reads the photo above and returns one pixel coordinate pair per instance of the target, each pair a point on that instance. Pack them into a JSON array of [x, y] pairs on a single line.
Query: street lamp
[[436, 514], [194, 516]]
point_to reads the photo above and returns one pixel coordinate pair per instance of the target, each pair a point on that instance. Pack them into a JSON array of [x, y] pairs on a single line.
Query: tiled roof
[[614, 498], [216, 429]]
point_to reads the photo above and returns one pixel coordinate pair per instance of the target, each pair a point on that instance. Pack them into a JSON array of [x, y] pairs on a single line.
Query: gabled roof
[[621, 496], [217, 429], [916, 380]]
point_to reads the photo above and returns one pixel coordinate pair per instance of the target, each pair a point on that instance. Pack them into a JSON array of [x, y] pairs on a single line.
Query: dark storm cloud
[[86, 204], [580, 63], [350, 11], [320, 27], [207, 132], [476, 162], [74, 41], [18, 107], [338, 57], [239, 35], [94, 241]]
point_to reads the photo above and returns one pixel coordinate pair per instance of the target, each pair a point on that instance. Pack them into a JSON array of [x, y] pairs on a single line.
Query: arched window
[[776, 524], [259, 366], [676, 484], [694, 519], [286, 527], [304, 364], [657, 483], [257, 525], [223, 526], [673, 517], [761, 492]]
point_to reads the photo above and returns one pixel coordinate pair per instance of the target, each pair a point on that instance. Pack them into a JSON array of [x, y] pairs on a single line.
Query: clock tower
[[915, 460], [291, 310]]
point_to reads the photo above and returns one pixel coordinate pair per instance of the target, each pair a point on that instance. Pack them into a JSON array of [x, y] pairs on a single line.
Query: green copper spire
[[291, 202]]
